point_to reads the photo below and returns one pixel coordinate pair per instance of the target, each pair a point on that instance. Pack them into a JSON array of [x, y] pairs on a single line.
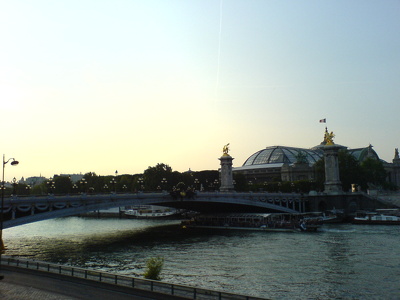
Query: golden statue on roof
[[225, 150], [328, 137]]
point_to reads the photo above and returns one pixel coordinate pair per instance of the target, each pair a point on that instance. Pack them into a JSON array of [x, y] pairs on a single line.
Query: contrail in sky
[[219, 47]]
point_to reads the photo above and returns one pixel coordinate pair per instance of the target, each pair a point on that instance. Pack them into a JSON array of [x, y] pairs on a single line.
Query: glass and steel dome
[[363, 153], [281, 154]]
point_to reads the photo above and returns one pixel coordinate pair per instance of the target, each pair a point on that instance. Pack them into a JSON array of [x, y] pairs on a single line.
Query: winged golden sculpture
[[328, 137], [225, 150]]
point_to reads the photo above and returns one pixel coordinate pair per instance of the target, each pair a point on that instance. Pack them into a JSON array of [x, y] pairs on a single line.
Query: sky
[[103, 86]]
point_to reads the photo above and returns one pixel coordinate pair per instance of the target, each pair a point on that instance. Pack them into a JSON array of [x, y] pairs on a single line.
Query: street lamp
[[140, 182], [51, 186], [164, 183], [2, 248], [28, 189], [74, 188], [196, 184], [83, 183], [113, 184], [251, 185], [14, 187], [216, 182]]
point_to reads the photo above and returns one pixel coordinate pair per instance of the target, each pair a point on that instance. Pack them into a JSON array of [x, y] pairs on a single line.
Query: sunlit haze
[[99, 86]]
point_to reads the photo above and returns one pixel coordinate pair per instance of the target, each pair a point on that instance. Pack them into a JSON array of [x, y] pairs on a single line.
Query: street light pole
[[2, 248]]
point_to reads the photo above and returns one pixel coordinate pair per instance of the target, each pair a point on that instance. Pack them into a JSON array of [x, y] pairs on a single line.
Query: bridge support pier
[[226, 173], [333, 184]]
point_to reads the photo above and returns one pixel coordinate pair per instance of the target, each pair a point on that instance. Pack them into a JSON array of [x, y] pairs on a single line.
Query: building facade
[[280, 163]]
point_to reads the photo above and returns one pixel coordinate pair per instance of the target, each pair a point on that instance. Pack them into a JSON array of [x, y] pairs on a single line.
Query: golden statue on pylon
[[225, 150], [328, 138]]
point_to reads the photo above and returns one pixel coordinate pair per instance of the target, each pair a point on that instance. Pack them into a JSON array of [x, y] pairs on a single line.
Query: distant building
[[393, 169], [35, 180], [280, 163], [74, 177]]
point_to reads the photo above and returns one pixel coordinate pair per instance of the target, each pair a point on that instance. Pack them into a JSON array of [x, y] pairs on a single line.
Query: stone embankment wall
[[392, 199]]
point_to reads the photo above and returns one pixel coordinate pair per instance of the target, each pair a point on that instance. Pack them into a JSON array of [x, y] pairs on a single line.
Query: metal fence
[[125, 281]]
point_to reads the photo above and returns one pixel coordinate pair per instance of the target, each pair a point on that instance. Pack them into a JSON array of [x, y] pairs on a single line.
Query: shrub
[[154, 266]]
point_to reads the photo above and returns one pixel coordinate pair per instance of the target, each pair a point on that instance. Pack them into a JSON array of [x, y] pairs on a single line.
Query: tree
[[154, 175], [349, 170], [373, 173], [63, 185]]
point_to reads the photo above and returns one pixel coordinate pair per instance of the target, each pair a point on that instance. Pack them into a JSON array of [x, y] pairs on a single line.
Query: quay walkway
[[28, 279]]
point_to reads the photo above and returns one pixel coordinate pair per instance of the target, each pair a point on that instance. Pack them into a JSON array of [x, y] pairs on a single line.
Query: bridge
[[24, 210]]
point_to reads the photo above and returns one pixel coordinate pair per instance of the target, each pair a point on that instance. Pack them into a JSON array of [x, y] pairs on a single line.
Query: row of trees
[[157, 178], [367, 174]]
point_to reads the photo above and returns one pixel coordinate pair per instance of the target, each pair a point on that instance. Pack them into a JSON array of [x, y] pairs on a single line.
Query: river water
[[341, 261]]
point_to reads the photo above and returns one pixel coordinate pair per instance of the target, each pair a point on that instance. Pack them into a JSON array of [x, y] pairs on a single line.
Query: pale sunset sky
[[101, 85]]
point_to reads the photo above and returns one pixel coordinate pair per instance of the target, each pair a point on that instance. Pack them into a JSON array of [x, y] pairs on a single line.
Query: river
[[341, 261]]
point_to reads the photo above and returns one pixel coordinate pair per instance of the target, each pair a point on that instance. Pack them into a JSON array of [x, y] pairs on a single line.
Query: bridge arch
[[19, 211]]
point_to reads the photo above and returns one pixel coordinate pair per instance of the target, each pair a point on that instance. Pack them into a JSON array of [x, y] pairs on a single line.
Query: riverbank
[[25, 284], [78, 283]]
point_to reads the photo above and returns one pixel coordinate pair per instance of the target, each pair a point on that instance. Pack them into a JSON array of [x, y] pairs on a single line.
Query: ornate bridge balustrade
[[23, 210]]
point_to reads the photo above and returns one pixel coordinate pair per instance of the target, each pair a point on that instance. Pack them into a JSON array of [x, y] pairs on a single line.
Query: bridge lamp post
[[113, 184], [83, 183], [28, 189], [196, 184], [74, 188], [216, 182], [250, 185], [15, 186], [266, 186], [164, 183], [51, 186], [2, 248], [140, 182]]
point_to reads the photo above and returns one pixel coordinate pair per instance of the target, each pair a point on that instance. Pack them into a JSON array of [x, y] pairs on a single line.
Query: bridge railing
[[124, 281]]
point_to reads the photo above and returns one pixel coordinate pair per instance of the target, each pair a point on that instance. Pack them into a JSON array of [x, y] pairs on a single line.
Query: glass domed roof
[[281, 154]]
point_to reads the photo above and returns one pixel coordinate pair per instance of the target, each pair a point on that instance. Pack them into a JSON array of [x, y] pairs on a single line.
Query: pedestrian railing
[[125, 281]]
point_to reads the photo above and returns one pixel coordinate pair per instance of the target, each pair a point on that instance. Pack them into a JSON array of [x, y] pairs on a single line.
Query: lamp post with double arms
[[14, 193], [2, 248]]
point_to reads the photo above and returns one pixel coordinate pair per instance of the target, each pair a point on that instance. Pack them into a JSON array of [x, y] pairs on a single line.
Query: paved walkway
[[23, 285]]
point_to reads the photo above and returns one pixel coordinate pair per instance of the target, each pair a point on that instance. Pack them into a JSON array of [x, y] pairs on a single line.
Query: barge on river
[[256, 221], [379, 217]]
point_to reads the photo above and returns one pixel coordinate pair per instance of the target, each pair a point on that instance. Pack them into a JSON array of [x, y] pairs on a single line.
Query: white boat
[[377, 218], [148, 212], [328, 216]]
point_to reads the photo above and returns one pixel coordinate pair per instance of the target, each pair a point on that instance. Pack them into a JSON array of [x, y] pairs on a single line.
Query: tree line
[[367, 174]]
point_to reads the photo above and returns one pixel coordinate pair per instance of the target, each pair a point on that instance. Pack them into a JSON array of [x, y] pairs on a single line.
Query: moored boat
[[328, 216], [378, 218], [256, 221], [150, 212]]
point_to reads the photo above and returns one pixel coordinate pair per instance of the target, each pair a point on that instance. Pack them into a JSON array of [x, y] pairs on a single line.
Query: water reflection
[[341, 262]]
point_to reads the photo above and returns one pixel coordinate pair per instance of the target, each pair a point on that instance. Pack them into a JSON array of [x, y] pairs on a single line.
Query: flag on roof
[[322, 121]]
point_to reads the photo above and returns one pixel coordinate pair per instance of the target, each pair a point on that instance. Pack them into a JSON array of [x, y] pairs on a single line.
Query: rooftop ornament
[[328, 138], [225, 150]]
